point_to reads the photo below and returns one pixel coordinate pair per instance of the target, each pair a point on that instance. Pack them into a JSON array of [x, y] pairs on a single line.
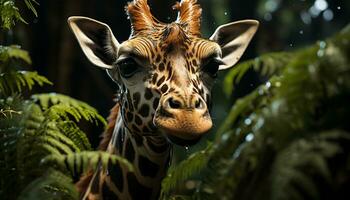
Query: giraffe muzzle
[[184, 120]]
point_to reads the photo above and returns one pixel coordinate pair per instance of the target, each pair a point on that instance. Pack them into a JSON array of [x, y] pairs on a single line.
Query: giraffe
[[164, 74]]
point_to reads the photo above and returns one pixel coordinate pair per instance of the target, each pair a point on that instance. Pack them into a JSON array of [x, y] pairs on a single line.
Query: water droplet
[[314, 12], [225, 13], [305, 17], [261, 91], [338, 8], [291, 44], [247, 121], [320, 53], [328, 15], [322, 44], [271, 5], [249, 137], [268, 84], [301, 32], [321, 5], [186, 148], [224, 137], [268, 16]]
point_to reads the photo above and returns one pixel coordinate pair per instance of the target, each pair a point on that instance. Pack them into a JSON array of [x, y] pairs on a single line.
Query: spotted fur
[[164, 73]]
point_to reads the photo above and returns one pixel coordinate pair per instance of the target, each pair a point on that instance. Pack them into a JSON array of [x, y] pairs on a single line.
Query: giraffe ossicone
[[165, 73]]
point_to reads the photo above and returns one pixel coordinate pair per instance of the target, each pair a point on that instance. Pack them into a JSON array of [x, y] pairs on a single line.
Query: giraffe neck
[[150, 156]]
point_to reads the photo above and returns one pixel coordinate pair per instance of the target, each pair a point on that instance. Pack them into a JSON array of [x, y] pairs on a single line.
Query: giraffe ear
[[233, 39], [96, 40]]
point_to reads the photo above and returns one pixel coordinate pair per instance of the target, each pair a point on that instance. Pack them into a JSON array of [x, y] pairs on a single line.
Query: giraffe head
[[165, 71]]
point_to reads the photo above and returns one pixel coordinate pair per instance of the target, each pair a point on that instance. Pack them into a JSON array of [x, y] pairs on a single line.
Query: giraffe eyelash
[[128, 67], [211, 67]]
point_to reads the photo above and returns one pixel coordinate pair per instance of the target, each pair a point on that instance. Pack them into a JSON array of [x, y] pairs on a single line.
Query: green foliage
[[79, 163], [186, 169], [288, 139], [53, 182], [9, 53], [9, 12], [267, 65], [42, 147], [13, 80], [63, 105], [41, 131]]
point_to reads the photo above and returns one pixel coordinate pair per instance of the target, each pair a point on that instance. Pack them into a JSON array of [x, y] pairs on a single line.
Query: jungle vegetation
[[288, 138]]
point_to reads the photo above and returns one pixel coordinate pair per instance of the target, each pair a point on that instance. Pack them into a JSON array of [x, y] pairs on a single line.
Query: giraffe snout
[[174, 104], [184, 119]]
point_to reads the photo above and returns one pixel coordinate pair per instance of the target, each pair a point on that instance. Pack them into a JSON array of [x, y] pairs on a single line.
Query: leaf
[[14, 52], [15, 81], [81, 162], [267, 65], [30, 5], [58, 105], [9, 14], [52, 185], [178, 174]]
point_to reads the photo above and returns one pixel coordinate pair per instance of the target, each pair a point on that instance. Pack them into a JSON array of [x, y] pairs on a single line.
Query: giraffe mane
[[141, 17], [189, 16], [107, 135]]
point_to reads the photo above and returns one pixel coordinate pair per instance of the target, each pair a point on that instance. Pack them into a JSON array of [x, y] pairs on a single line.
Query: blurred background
[[285, 26]]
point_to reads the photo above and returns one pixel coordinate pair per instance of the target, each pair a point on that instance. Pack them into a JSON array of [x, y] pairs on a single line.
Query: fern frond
[[177, 175], [15, 81], [52, 184], [62, 105], [30, 6], [13, 52], [266, 65], [72, 131], [78, 163], [295, 168], [9, 14]]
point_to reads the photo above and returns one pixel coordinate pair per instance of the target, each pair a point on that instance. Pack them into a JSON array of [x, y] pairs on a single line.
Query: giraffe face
[[168, 85], [166, 71]]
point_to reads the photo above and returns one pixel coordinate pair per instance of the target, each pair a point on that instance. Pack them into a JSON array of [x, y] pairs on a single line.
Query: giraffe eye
[[211, 67], [128, 67]]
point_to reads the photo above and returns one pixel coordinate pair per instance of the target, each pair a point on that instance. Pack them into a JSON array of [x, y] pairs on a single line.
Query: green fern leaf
[[13, 52], [29, 4], [52, 185], [267, 65], [63, 105], [81, 162], [9, 14], [299, 163], [177, 175], [15, 81]]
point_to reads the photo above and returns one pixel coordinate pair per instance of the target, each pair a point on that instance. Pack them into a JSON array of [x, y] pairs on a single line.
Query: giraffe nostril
[[174, 103]]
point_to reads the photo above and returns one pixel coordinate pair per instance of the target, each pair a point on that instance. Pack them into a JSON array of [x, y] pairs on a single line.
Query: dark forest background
[[285, 25]]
